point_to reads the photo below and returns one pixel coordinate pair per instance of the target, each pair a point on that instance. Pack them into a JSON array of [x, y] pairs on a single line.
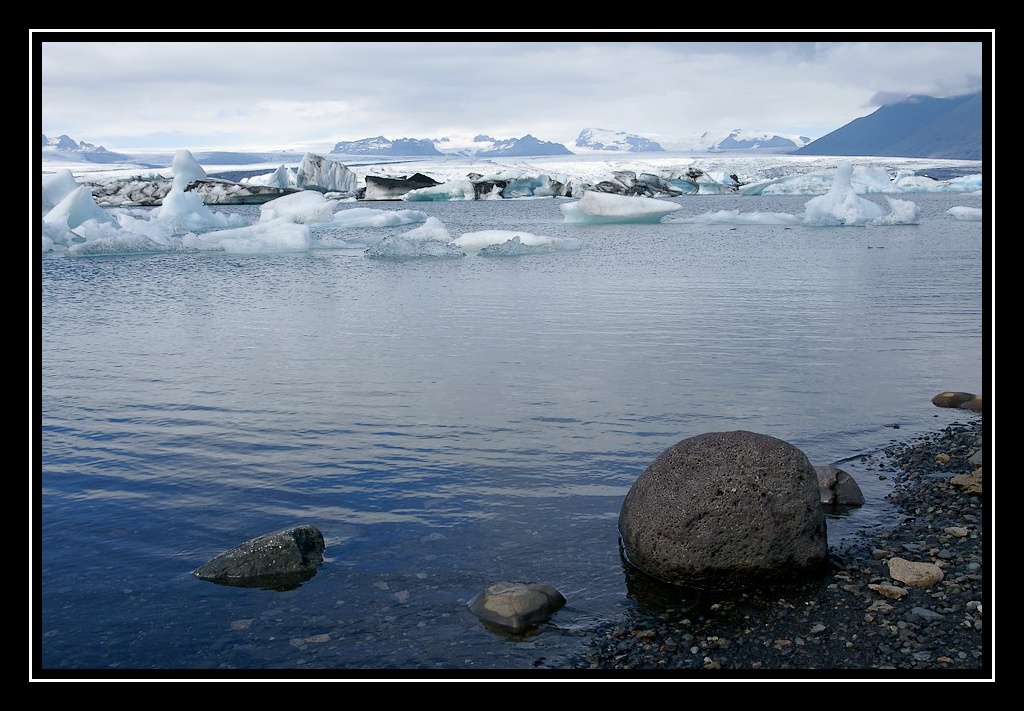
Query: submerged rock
[[279, 561], [515, 606]]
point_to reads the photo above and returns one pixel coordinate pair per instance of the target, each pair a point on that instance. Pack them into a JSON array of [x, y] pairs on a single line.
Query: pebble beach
[[856, 620]]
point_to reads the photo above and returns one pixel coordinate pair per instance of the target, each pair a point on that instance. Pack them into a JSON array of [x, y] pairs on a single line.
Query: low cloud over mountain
[[918, 127]]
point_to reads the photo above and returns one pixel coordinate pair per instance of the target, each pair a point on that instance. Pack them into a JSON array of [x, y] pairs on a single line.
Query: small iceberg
[[608, 208]]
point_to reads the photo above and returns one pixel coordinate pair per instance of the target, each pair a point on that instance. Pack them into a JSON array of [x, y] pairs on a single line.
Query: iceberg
[[841, 205], [962, 212], [56, 187], [307, 207], [608, 208], [278, 235], [318, 173], [505, 243], [431, 239], [372, 217], [78, 222]]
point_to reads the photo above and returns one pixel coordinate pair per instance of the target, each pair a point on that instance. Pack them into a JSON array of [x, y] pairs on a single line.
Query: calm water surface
[[450, 423]]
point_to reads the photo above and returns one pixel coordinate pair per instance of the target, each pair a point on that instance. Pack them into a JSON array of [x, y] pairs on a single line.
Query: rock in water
[[516, 606], [280, 560], [726, 510], [837, 487]]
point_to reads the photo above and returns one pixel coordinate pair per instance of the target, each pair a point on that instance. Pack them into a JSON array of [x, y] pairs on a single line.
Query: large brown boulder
[[726, 510], [952, 398]]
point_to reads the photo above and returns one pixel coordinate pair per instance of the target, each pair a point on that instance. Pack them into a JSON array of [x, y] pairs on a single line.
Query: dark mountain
[[918, 127]]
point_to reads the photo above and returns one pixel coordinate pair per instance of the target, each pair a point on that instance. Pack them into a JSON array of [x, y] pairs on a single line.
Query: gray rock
[[837, 487], [725, 510], [515, 606], [281, 560]]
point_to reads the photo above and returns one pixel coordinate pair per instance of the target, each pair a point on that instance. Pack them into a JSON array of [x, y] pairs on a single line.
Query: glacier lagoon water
[[450, 423]]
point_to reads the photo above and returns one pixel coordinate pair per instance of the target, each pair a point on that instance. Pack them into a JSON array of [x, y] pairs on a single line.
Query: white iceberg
[[608, 208]]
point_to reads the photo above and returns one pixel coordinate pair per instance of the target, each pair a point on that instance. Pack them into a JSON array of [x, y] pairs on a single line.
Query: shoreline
[[850, 620]]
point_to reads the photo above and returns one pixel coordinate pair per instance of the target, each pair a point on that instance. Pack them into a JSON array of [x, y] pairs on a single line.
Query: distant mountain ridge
[[590, 140], [380, 146], [750, 140], [918, 127], [600, 139], [69, 147], [740, 139], [482, 147]]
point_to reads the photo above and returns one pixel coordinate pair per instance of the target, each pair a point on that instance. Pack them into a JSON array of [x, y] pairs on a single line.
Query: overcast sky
[[282, 94]]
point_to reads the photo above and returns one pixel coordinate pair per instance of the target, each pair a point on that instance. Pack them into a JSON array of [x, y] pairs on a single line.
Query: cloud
[[309, 95]]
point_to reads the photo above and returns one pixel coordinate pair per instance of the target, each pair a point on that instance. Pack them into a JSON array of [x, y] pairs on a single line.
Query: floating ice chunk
[[431, 239], [810, 184], [965, 213], [404, 247], [596, 208], [75, 219], [280, 178], [56, 187], [186, 170], [431, 229], [453, 190], [325, 175], [187, 211], [901, 212], [841, 205], [371, 217], [517, 242], [513, 248], [121, 243], [306, 207], [909, 183], [715, 182], [965, 184], [280, 235], [872, 179], [75, 208]]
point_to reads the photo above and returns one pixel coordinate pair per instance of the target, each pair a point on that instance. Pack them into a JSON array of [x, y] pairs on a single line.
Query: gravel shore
[[841, 625]]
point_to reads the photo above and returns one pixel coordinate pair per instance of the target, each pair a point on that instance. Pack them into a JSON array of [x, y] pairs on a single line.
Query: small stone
[[914, 573], [892, 592], [516, 606]]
